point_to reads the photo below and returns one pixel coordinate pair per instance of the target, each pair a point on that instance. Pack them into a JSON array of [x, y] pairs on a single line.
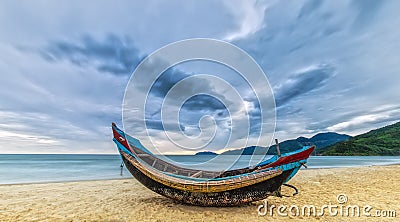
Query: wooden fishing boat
[[207, 188]]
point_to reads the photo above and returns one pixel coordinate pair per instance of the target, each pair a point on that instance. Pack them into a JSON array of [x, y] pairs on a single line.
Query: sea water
[[36, 168], [33, 168]]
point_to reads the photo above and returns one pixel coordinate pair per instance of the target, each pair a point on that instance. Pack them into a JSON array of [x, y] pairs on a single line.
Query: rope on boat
[[278, 193], [122, 167], [293, 187]]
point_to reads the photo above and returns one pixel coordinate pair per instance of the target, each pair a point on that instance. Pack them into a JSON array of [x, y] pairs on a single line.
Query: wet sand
[[128, 200]]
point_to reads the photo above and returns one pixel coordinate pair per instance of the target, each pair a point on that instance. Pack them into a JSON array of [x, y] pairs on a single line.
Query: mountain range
[[320, 140], [378, 142]]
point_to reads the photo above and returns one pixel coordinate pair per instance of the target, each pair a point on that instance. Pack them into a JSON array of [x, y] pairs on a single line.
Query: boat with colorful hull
[[208, 188]]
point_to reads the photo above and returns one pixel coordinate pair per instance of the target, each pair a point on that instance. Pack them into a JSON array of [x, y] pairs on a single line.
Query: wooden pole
[[277, 147]]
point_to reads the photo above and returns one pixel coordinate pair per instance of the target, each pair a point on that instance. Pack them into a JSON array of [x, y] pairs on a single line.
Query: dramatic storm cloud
[[302, 82], [113, 54], [333, 66]]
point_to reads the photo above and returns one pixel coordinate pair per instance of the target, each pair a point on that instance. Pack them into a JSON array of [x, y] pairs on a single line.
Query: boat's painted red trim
[[292, 158], [120, 138]]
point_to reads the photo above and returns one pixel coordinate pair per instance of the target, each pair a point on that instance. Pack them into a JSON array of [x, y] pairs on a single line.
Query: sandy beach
[[376, 187]]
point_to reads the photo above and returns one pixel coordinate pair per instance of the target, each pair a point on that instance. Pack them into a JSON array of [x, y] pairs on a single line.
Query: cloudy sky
[[64, 66]]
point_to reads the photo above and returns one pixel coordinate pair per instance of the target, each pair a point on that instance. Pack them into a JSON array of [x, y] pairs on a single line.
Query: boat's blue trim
[[136, 143], [132, 141], [268, 161], [294, 172]]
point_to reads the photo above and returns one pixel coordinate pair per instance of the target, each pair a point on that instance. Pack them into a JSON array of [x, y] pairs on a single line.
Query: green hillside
[[380, 142]]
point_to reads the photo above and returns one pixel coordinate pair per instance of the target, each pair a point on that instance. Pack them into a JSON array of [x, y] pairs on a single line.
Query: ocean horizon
[[43, 168]]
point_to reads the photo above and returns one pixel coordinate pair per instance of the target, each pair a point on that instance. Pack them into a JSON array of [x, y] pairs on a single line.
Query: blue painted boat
[[208, 188]]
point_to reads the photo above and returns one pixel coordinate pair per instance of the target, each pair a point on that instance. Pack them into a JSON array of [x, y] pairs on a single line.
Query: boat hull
[[208, 188], [233, 197]]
